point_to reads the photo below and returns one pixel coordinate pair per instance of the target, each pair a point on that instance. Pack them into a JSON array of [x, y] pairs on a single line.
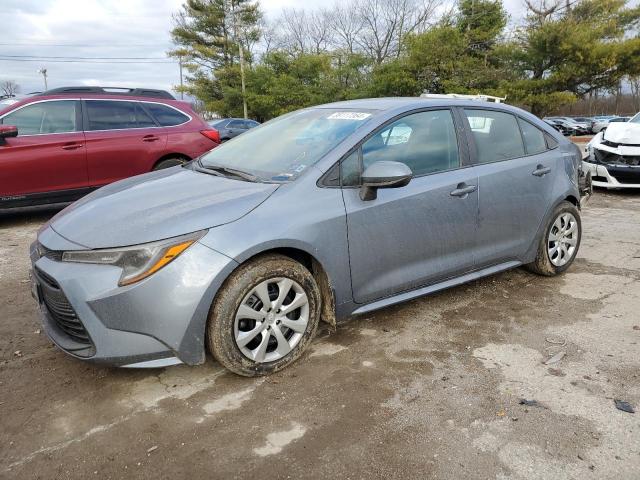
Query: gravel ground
[[428, 389]]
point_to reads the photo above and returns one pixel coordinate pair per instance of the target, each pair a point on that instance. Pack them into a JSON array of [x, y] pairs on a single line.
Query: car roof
[[93, 96], [409, 103]]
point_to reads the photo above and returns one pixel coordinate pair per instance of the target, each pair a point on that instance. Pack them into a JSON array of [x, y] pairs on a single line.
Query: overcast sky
[[103, 28]]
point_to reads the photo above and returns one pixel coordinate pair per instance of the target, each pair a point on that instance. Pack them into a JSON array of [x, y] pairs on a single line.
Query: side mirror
[[383, 174], [7, 131]]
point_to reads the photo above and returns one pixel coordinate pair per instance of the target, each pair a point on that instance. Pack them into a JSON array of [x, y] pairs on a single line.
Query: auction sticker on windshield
[[348, 116]]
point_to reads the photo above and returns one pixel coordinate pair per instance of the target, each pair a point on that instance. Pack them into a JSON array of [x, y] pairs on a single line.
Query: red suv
[[57, 146]]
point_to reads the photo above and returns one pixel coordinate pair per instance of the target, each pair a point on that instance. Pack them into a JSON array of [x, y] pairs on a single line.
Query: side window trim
[[144, 108], [166, 105], [520, 120], [463, 147], [79, 126], [357, 149], [87, 122], [381, 128], [475, 146], [143, 104]]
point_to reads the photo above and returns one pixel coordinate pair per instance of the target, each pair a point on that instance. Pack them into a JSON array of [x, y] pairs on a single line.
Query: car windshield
[[217, 123], [283, 148], [636, 118]]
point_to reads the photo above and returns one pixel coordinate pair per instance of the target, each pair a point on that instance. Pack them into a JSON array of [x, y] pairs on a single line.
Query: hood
[[156, 206], [623, 132]]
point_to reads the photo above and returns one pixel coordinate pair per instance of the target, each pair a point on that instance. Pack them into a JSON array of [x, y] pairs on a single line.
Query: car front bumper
[[156, 322], [613, 176]]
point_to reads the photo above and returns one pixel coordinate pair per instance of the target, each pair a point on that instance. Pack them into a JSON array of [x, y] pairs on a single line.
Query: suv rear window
[[44, 117], [166, 116], [116, 115]]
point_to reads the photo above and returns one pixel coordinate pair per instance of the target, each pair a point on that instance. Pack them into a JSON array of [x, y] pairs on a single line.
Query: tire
[[264, 352], [549, 259], [168, 163]]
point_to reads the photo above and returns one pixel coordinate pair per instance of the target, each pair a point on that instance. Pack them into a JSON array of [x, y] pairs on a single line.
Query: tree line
[[561, 52]]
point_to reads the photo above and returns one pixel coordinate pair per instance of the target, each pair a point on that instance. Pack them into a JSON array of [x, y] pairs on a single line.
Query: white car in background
[[602, 123], [613, 155]]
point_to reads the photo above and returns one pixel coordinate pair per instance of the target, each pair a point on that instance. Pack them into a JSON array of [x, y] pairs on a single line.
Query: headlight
[[139, 261]]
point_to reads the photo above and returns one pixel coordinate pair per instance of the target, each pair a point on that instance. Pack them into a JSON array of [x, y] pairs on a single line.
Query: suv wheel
[[264, 316], [168, 162], [560, 243]]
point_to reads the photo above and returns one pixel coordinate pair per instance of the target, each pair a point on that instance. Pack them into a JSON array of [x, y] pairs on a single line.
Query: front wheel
[[264, 316], [560, 243]]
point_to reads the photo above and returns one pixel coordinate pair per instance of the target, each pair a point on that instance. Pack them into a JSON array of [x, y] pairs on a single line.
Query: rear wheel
[[559, 245], [264, 316], [168, 163]]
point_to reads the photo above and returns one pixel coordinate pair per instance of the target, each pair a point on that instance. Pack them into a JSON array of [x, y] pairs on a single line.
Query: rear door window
[[534, 141], [116, 115], [496, 134], [165, 115], [44, 117], [239, 124]]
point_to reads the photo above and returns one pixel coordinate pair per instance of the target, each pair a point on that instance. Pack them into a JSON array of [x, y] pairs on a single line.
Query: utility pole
[[241, 51], [181, 84], [43, 71]]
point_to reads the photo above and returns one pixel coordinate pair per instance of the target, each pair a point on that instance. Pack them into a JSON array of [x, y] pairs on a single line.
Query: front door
[[418, 234], [122, 140], [48, 155], [515, 171]]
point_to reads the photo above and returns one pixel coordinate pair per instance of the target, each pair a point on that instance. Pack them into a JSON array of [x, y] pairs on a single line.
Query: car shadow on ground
[[18, 216], [622, 192]]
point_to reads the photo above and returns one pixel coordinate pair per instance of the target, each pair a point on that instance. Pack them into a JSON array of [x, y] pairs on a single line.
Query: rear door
[[49, 153], [418, 234], [123, 140], [235, 128], [515, 170]]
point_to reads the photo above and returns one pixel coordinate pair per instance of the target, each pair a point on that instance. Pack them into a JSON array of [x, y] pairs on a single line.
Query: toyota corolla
[[321, 214]]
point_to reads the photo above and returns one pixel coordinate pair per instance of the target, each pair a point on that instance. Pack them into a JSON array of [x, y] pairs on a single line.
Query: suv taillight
[[211, 135]]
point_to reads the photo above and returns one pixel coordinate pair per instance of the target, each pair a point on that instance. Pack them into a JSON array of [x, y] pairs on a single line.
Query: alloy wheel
[[271, 319], [563, 239]]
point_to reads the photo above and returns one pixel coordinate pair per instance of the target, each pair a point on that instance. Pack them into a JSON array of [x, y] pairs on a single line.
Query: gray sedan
[[232, 127], [318, 215]]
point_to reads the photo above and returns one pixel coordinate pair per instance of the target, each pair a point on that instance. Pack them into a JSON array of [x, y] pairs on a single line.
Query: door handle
[[150, 138], [541, 171], [462, 190], [72, 146]]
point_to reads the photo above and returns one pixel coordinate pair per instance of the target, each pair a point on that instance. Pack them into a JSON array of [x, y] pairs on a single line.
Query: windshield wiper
[[229, 171]]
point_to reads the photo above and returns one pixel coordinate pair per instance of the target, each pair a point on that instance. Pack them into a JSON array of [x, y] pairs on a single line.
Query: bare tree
[[9, 88], [387, 22], [541, 11], [295, 30], [346, 24], [374, 27], [271, 38], [319, 30]]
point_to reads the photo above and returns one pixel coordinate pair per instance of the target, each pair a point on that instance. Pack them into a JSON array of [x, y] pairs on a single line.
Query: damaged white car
[[613, 155]]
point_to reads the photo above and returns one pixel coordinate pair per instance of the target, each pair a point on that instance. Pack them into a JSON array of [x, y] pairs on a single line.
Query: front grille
[[603, 156], [55, 255], [60, 309], [632, 176]]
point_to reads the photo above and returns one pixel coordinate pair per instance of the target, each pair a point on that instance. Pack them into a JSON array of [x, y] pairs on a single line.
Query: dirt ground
[[428, 389]]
